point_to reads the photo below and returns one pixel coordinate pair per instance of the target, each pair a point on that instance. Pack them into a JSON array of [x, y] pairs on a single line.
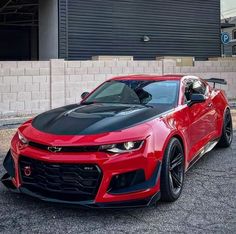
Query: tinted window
[[194, 86], [199, 87], [136, 92], [162, 92]]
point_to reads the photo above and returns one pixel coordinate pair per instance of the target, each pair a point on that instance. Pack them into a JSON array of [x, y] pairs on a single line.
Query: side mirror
[[196, 98], [84, 94]]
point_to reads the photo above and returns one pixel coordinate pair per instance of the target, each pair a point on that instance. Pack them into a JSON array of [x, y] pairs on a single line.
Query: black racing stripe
[[95, 118]]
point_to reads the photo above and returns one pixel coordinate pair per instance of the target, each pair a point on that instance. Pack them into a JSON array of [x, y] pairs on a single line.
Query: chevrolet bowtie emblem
[[54, 149]]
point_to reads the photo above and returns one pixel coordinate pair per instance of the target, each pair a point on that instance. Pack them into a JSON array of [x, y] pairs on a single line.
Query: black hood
[[94, 118]]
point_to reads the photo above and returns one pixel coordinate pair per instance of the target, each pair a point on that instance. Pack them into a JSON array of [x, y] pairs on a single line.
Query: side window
[[199, 87], [193, 86], [187, 92], [111, 90]]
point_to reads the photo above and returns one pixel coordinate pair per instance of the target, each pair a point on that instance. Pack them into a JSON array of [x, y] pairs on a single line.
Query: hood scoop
[[89, 115], [99, 111]]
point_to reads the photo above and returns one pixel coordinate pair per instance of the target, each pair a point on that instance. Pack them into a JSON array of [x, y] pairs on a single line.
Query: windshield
[[136, 92]]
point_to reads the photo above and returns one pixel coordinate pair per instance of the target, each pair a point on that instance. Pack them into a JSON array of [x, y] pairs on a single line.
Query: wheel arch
[[168, 193], [226, 108], [223, 117], [180, 137], [183, 145]]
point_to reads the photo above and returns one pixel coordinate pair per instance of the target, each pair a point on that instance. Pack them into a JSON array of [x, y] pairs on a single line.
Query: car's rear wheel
[[172, 173], [227, 130]]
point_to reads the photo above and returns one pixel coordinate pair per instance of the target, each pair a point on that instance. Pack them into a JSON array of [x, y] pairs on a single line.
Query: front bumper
[[7, 181], [142, 194]]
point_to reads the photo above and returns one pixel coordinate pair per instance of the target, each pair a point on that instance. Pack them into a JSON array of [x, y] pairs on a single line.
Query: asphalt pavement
[[207, 205]]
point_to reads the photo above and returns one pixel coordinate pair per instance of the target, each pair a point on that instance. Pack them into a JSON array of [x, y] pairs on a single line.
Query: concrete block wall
[[224, 69], [24, 87], [81, 76], [31, 87]]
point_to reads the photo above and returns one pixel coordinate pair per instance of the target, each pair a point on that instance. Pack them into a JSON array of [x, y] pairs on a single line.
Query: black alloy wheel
[[172, 174], [227, 130]]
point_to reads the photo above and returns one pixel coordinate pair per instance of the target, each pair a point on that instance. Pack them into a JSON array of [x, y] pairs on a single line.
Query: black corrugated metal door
[[115, 27]]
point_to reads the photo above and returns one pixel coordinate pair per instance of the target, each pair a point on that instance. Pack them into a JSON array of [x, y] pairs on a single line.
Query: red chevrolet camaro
[[128, 143]]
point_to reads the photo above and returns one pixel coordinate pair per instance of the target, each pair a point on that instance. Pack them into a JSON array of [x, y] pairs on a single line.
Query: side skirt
[[205, 149]]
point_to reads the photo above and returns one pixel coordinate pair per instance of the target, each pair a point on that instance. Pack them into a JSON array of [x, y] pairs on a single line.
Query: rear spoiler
[[217, 81]]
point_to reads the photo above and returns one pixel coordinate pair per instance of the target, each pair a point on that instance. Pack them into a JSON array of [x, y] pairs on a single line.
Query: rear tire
[[172, 172], [227, 131]]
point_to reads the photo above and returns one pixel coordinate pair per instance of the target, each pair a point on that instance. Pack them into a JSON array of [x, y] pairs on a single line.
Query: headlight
[[122, 147], [22, 139]]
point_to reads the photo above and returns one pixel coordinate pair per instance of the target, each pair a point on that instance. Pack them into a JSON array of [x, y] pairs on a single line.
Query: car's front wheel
[[172, 172]]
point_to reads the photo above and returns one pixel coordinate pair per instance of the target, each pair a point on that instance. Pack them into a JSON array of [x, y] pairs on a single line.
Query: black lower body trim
[[149, 201], [129, 204], [7, 181], [9, 165], [205, 149]]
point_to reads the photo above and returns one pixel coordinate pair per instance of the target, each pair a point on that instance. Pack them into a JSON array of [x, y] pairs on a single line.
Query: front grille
[[66, 148], [73, 182]]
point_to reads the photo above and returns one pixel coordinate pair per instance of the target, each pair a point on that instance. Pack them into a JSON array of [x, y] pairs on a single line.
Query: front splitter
[[92, 204], [7, 181]]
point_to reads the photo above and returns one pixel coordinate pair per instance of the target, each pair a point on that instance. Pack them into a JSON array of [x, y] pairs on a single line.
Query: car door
[[201, 117]]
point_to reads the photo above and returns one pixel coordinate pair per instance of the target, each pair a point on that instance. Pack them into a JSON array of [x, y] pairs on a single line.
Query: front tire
[[172, 172], [227, 131]]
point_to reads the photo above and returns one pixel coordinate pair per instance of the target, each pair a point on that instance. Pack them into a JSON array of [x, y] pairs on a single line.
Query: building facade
[[230, 49], [80, 29]]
